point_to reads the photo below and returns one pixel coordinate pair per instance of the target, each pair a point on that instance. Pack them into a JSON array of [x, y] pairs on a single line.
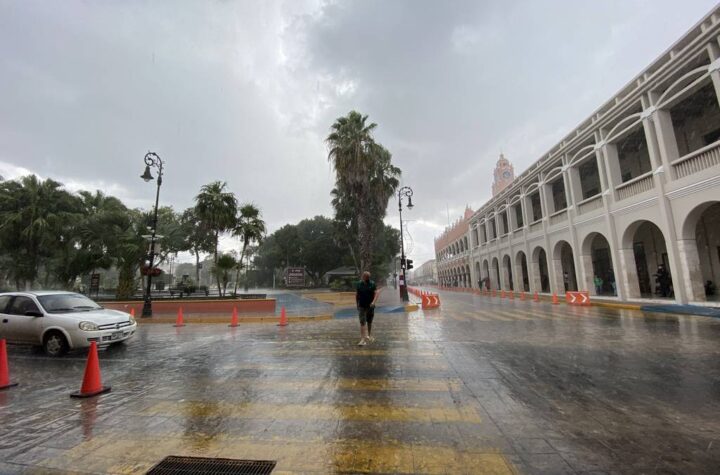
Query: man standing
[[366, 295]]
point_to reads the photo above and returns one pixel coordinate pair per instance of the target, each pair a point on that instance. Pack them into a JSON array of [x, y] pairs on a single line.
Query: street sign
[[295, 277], [577, 298]]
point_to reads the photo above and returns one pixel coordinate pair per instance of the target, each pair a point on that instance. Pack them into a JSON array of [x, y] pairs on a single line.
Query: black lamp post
[[152, 160], [405, 191]]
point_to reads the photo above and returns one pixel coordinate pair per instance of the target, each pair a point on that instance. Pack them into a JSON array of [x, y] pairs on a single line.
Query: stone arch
[[507, 273], [486, 274], [478, 275], [699, 248], [564, 265], [643, 253], [495, 274], [597, 262], [540, 270], [522, 274], [468, 277]]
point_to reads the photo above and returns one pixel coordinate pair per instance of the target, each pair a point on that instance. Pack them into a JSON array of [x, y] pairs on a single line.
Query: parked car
[[61, 321]]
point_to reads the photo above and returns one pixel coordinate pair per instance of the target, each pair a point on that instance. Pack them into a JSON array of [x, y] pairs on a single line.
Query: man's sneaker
[[371, 339], [363, 342]]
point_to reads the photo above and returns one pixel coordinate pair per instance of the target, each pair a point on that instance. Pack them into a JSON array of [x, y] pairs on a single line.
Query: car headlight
[[88, 326], [132, 321]]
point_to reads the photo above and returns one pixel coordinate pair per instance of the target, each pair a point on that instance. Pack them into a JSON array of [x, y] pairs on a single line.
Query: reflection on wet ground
[[478, 386]]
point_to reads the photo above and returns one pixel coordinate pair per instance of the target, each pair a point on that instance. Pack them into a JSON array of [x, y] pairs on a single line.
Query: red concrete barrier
[[197, 307]]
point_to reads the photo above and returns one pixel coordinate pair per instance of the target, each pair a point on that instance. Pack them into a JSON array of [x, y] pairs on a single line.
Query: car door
[[22, 327], [4, 318]]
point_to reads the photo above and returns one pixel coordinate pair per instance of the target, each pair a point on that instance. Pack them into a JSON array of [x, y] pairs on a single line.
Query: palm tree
[[250, 228], [216, 209], [365, 178], [351, 143], [224, 265], [32, 213]]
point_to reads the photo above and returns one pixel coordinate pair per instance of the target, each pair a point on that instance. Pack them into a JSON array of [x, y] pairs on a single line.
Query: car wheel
[[55, 344]]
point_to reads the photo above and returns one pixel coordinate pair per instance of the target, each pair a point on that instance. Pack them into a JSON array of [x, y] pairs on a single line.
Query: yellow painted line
[[110, 455], [347, 384], [357, 412], [412, 308], [299, 364]]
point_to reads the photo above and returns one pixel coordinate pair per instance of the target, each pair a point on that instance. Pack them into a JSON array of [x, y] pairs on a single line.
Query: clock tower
[[504, 175]]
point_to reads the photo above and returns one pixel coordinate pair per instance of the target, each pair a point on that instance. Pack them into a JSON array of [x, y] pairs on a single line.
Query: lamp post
[[404, 192], [152, 160]]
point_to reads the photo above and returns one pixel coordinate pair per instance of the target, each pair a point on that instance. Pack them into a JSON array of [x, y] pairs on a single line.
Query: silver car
[[61, 321]]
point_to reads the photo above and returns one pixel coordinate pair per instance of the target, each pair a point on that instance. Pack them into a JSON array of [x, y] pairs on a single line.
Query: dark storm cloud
[[246, 91]]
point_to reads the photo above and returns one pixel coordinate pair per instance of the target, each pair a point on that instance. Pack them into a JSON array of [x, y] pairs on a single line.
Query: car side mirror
[[33, 313]]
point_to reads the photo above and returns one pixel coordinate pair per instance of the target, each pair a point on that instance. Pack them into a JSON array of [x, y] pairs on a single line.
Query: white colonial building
[[634, 187]]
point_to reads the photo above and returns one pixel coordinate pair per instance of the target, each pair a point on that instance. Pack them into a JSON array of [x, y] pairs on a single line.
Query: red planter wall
[[198, 307]]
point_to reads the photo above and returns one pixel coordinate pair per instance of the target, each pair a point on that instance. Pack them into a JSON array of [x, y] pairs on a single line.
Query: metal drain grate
[[174, 465]]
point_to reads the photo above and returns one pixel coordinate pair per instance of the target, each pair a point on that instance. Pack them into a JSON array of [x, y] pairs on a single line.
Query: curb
[[213, 319]]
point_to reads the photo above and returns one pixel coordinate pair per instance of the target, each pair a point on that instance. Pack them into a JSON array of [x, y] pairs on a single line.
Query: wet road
[[479, 386]]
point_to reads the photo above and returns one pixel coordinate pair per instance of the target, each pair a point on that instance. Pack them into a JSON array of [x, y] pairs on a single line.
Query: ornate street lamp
[[404, 192], [151, 160]]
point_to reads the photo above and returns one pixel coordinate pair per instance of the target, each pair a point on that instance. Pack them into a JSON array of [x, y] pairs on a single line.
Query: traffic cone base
[[283, 318], [4, 371], [92, 381], [179, 322], [234, 321]]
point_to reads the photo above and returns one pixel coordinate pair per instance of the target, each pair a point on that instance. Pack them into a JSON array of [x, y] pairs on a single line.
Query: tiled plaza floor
[[479, 386]]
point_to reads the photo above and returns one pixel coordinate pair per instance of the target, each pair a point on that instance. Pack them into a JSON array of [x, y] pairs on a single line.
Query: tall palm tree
[[250, 228], [197, 239], [365, 179], [216, 208], [351, 143]]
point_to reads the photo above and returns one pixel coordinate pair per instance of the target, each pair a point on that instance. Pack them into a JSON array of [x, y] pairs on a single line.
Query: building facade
[[627, 205], [452, 253], [426, 274]]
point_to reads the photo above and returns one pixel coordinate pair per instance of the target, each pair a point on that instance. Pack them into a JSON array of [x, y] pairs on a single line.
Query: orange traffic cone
[[511, 295], [234, 321], [179, 322], [4, 371], [92, 382], [494, 293], [522, 295], [132, 312], [283, 318], [536, 297], [502, 294], [555, 299]]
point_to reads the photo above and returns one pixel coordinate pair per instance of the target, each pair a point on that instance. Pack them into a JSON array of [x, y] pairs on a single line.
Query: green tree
[[216, 209], [365, 180], [351, 144], [198, 239], [250, 228], [32, 215], [224, 266]]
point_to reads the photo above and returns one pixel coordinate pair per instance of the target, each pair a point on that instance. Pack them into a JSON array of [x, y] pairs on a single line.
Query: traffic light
[[408, 264]]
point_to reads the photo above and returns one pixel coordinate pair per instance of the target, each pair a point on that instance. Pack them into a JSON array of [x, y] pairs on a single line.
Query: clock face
[[506, 174]]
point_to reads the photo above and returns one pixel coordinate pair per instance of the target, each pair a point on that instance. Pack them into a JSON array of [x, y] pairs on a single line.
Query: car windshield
[[56, 303]]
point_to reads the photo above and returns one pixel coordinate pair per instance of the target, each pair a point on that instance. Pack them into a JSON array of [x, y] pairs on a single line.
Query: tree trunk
[[217, 274], [366, 239], [237, 274], [197, 267]]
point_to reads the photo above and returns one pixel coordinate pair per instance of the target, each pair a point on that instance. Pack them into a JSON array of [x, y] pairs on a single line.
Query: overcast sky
[[245, 91]]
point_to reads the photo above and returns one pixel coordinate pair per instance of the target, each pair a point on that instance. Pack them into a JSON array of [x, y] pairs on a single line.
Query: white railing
[[558, 217], [589, 204], [636, 186], [699, 160], [536, 226]]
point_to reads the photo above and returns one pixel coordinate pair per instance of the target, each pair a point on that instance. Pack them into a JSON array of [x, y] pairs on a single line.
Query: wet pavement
[[478, 386]]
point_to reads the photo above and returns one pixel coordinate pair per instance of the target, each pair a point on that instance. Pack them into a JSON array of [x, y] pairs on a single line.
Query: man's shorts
[[365, 314]]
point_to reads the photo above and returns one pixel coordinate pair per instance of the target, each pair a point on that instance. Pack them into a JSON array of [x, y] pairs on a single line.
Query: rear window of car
[[4, 299]]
